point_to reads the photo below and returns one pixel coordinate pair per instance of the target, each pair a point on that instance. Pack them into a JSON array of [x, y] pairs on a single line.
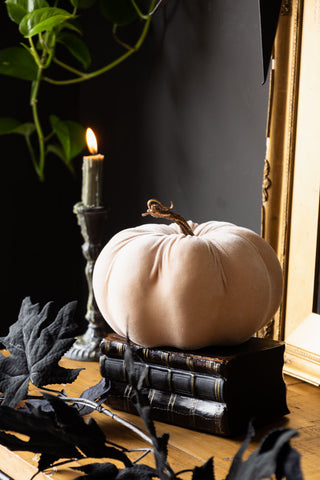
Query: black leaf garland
[[56, 430]]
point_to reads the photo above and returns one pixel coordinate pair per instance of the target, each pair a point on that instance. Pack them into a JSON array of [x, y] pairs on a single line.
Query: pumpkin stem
[[157, 210]]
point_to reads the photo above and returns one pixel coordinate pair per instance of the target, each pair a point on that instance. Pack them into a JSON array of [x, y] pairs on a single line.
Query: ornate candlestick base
[[92, 222]]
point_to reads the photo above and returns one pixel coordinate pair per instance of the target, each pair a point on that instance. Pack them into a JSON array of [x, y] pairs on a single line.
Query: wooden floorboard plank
[[189, 448]]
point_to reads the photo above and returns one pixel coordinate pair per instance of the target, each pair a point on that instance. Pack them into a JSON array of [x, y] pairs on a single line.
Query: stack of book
[[217, 390]]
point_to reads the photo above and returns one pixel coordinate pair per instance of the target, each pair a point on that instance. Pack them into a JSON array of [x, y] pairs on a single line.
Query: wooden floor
[[188, 448]]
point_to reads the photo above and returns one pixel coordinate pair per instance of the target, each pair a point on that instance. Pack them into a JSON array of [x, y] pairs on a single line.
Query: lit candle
[[92, 170]]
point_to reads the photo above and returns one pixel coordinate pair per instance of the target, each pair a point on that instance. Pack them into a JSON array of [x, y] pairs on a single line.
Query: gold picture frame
[[291, 184]]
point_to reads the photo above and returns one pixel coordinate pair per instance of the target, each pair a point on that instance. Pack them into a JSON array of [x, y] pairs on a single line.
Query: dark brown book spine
[[114, 346], [167, 379], [193, 413], [255, 356], [242, 392], [204, 415]]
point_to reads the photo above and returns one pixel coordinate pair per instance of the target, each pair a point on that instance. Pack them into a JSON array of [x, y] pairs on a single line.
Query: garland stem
[[105, 411]]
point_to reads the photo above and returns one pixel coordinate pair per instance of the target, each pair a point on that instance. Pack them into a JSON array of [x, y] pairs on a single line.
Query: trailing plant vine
[[53, 422], [44, 25]]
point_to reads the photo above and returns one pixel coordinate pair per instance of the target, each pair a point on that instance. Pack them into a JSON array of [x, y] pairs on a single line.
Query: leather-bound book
[[257, 358], [234, 383], [203, 415], [198, 385]]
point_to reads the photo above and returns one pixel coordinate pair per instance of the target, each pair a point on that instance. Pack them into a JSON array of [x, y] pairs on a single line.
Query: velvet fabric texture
[[162, 287]]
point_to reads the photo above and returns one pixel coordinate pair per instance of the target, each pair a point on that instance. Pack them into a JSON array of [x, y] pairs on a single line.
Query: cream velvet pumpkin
[[215, 287]]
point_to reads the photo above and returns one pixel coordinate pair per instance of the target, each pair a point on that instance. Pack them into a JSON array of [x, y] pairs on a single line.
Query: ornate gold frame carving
[[291, 184], [279, 161]]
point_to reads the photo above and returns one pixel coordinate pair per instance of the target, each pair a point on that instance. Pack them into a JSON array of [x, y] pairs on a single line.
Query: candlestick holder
[[92, 221]]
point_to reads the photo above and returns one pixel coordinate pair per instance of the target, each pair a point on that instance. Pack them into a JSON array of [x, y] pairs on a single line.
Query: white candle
[[92, 173]]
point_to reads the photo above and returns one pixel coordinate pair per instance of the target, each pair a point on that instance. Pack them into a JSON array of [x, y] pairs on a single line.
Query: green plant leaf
[[57, 150], [120, 12], [77, 138], [8, 125], [77, 47], [11, 125], [17, 9], [43, 19], [71, 136], [17, 62], [50, 40], [73, 25], [25, 129]]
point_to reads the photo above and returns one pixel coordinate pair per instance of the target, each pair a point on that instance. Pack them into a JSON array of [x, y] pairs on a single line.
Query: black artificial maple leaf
[[274, 456], [36, 342], [102, 471], [143, 408], [98, 471], [205, 472], [44, 437], [96, 393], [60, 433]]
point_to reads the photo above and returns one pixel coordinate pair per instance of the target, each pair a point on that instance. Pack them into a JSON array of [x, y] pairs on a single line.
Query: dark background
[[184, 119]]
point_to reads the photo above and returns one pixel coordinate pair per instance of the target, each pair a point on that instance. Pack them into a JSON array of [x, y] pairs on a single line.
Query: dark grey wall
[[183, 120], [186, 122], [205, 113]]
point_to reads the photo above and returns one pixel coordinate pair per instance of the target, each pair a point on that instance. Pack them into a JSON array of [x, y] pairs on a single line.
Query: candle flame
[[91, 141]]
